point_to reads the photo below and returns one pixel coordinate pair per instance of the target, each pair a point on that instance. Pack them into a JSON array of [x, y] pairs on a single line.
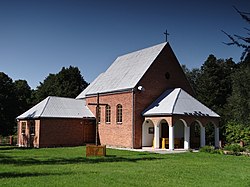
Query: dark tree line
[[16, 96], [223, 85]]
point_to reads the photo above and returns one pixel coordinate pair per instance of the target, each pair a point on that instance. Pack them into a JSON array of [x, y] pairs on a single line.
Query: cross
[[97, 104], [166, 33]]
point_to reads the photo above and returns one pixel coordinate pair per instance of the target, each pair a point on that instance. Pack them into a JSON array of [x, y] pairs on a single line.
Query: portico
[[177, 120]]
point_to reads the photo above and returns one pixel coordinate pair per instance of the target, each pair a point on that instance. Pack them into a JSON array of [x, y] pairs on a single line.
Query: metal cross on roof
[[166, 33]]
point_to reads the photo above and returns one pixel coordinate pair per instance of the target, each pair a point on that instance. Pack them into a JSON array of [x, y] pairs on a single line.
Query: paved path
[[152, 150]]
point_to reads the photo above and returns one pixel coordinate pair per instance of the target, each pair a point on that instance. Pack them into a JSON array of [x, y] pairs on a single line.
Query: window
[[119, 113], [108, 114], [23, 127], [32, 128]]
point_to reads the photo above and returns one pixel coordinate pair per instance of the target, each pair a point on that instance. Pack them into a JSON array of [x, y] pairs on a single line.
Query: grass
[[70, 167]]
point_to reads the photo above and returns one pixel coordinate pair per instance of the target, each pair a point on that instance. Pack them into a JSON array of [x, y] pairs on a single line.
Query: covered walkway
[[178, 120]]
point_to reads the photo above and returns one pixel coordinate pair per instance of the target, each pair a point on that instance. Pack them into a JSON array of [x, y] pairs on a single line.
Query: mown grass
[[70, 167]]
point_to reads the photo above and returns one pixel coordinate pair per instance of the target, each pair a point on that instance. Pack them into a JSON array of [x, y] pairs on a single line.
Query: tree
[[67, 83], [23, 95], [213, 85], [192, 76], [8, 105], [239, 102], [241, 41]]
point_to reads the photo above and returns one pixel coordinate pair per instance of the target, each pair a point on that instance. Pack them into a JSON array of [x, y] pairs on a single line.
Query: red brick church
[[149, 102]]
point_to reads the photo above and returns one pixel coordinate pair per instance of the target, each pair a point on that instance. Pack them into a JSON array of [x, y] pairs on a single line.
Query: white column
[[171, 138], [156, 137], [216, 137], [202, 137], [186, 137]]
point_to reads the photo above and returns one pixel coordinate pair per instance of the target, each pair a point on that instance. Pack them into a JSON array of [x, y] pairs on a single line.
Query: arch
[[212, 134], [195, 134], [147, 133], [184, 122], [179, 133], [163, 128]]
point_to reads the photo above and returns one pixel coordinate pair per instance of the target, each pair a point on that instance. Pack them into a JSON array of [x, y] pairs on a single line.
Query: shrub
[[235, 148], [211, 149], [236, 132], [207, 149]]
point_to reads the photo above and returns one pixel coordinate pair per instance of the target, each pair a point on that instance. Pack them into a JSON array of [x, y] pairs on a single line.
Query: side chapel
[[149, 102]]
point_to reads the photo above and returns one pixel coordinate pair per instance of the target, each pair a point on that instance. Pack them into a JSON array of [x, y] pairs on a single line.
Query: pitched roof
[[177, 101], [58, 107], [125, 72]]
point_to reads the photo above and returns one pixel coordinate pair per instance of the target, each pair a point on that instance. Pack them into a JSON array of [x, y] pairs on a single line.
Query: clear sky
[[38, 37]]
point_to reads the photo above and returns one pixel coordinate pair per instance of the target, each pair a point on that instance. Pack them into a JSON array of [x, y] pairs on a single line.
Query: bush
[[207, 149], [247, 148], [235, 148], [236, 132], [211, 149]]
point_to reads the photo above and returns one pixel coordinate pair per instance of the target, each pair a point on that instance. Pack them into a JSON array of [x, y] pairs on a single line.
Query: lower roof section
[[58, 107], [177, 101]]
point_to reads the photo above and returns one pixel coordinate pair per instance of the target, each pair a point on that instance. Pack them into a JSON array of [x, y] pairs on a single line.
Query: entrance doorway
[[147, 133]]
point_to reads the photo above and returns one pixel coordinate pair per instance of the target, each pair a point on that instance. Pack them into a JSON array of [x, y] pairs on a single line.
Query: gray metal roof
[[58, 107], [177, 101], [82, 95], [125, 72]]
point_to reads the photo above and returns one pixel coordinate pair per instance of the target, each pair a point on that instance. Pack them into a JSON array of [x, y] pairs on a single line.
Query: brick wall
[[66, 132], [113, 133], [155, 83], [26, 139]]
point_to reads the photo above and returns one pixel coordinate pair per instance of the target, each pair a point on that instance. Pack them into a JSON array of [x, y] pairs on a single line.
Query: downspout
[[133, 118]]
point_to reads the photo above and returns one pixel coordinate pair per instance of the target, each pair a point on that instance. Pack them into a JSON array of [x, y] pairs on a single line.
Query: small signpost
[[96, 150]]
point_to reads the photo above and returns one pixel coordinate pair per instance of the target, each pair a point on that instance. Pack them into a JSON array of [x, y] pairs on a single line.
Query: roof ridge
[[175, 101], [138, 50], [45, 105]]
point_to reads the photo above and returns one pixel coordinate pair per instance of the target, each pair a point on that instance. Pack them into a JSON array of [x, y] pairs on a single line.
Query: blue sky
[[38, 37]]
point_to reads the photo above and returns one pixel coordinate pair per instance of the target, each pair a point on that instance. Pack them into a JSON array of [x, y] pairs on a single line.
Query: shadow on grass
[[5, 148], [57, 161], [27, 174]]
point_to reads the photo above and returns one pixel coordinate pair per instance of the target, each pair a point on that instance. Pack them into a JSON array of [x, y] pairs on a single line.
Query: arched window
[[108, 113], [119, 113]]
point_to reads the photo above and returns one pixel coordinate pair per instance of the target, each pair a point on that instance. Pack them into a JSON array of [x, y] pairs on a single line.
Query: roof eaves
[[157, 114], [111, 92]]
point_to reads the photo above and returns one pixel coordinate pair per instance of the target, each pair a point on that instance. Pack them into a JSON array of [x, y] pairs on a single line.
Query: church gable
[[125, 72], [165, 73]]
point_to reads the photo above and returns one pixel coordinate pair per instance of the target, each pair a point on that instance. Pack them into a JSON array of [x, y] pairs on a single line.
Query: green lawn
[[70, 167]]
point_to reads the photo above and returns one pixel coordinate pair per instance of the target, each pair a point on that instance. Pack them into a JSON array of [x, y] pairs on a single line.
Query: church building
[[147, 101]]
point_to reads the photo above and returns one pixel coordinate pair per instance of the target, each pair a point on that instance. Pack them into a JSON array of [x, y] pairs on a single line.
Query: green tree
[[192, 76], [67, 83], [23, 95], [213, 85], [239, 102], [8, 105]]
